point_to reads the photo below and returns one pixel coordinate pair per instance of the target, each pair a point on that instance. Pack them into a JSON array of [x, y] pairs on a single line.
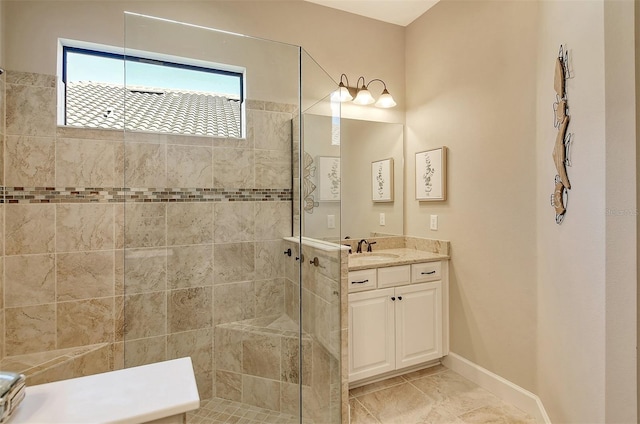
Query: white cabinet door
[[371, 333], [418, 323]]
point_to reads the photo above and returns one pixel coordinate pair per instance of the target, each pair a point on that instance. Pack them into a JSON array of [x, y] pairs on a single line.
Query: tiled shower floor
[[434, 395], [217, 411]]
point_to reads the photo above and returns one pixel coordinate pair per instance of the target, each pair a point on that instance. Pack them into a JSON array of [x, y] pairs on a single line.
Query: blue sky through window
[[87, 67]]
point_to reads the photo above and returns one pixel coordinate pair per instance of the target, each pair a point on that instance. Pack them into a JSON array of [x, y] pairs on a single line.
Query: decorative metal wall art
[[561, 148], [308, 187]]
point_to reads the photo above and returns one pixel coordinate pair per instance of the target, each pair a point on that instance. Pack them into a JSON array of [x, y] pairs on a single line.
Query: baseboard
[[504, 389]]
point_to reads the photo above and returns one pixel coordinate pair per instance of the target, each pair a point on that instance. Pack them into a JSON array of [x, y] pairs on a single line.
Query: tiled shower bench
[[161, 392]]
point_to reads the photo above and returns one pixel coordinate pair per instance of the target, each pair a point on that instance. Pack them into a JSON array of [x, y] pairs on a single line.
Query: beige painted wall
[[637, 56], [621, 241], [271, 68], [363, 142], [571, 257], [551, 308], [340, 42], [471, 69], [316, 130], [586, 267], [587, 284]]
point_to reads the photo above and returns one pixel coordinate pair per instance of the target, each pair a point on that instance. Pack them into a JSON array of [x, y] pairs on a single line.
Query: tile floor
[[434, 395]]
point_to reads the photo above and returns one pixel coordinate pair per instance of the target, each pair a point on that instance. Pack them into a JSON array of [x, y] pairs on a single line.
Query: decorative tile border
[[121, 195]]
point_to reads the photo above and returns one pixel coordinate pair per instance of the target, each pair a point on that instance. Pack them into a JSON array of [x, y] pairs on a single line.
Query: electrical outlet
[[434, 223], [331, 221], [382, 219]]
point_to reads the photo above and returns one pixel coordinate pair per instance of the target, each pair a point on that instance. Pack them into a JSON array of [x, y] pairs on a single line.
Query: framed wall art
[[329, 178], [382, 180], [431, 175]]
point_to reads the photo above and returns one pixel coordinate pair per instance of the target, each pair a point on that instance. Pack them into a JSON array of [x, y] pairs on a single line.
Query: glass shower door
[[207, 217], [324, 384]]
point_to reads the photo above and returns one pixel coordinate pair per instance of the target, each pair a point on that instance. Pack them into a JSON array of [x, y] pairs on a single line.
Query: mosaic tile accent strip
[[156, 195]]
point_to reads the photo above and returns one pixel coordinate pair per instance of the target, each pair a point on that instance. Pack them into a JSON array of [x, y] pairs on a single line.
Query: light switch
[[382, 219], [331, 221], [434, 222]]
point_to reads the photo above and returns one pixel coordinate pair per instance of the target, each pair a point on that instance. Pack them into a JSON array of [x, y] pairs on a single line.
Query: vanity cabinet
[[371, 333], [391, 328]]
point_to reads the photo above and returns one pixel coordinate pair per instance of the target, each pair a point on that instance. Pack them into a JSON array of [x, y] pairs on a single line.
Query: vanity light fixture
[[363, 96]]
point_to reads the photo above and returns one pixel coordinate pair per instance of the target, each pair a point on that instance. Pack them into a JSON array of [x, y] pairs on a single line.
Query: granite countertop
[[391, 257]]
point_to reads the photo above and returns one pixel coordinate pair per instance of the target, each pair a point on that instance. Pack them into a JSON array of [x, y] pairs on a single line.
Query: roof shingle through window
[[99, 105]]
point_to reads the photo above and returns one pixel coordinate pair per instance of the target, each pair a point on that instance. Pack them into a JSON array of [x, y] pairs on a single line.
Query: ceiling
[[399, 12]]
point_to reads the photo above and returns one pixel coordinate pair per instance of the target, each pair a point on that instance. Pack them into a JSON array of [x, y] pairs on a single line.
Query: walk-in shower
[[211, 230], [143, 221]]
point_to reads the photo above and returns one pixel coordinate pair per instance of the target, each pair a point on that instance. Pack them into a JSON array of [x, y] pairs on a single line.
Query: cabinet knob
[[393, 298], [399, 297]]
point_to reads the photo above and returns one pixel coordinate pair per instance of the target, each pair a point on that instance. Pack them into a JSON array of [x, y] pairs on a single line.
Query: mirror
[[352, 211]]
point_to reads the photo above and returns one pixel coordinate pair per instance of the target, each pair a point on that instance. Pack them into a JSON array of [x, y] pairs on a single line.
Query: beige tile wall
[[45, 367], [2, 143], [150, 279], [324, 322], [259, 364]]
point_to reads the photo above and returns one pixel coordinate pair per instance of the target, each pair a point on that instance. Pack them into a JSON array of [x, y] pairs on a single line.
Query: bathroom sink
[[374, 256]]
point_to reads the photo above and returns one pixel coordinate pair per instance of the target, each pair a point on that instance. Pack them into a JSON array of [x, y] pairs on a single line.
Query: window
[[159, 96]]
